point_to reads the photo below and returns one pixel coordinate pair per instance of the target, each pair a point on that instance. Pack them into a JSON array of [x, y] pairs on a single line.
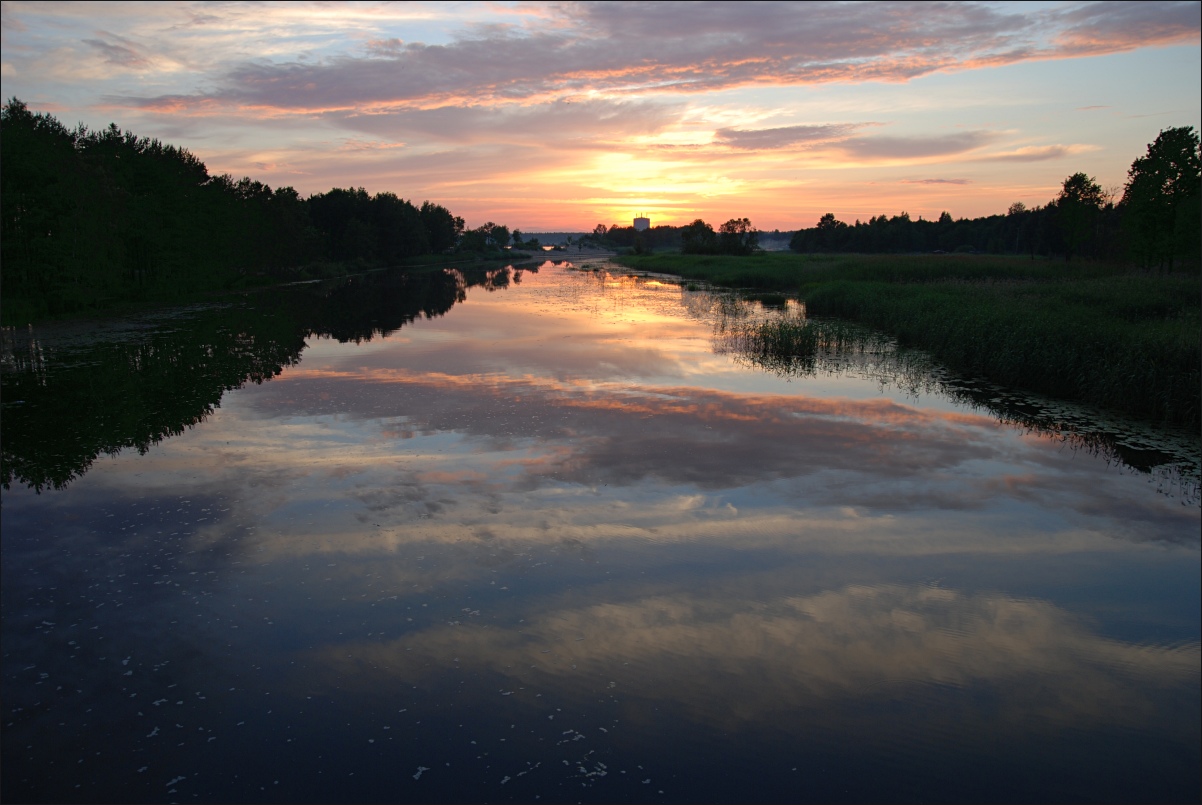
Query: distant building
[[641, 223]]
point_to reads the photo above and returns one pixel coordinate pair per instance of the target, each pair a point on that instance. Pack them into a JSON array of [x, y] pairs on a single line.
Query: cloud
[[11, 22], [386, 48], [1116, 26], [624, 86], [625, 48], [840, 137], [820, 654], [122, 55], [1038, 153], [785, 136], [356, 144], [889, 148], [592, 120], [562, 412], [936, 181], [676, 435]]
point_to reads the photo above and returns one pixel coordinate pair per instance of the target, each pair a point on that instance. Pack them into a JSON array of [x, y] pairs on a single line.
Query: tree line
[[1155, 223], [95, 217], [737, 236]]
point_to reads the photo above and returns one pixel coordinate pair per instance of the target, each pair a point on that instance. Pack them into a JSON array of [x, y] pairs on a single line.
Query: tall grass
[[782, 271], [783, 342], [1093, 333], [1105, 342]]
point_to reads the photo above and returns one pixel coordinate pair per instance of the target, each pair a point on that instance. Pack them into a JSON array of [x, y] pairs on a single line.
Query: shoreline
[[1114, 339]]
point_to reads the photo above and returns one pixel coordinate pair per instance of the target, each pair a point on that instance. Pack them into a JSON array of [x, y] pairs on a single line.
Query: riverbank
[[1092, 333], [16, 311]]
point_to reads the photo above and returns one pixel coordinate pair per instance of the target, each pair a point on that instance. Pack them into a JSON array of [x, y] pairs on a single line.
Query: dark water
[[558, 536]]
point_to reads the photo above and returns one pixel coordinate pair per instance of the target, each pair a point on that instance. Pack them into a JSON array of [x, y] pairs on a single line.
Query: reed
[[1092, 333], [1109, 342]]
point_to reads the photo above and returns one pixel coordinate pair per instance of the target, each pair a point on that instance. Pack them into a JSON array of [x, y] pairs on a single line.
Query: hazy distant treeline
[[1155, 222], [737, 237], [92, 217]]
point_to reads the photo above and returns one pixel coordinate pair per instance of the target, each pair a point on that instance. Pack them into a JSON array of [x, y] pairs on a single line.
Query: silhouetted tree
[[442, 229], [737, 236], [92, 217], [399, 232], [698, 238], [489, 236], [1161, 198], [1078, 205], [498, 235]]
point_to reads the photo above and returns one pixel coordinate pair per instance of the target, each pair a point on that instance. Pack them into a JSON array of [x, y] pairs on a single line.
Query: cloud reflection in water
[[799, 663], [556, 507]]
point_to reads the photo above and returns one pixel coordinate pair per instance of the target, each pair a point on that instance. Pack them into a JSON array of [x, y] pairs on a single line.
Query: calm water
[[552, 536]]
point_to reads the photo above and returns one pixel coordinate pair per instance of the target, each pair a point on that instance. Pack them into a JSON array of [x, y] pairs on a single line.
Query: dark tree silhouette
[[698, 238], [1161, 198], [1079, 204], [737, 236], [90, 218], [1159, 215], [443, 230]]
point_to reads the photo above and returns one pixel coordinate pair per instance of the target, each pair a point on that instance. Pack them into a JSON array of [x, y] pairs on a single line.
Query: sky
[[559, 116]]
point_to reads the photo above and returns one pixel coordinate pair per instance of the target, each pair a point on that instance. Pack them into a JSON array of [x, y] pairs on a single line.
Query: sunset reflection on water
[[554, 543]]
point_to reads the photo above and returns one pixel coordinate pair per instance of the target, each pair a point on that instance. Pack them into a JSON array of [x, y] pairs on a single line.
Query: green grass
[[1092, 333], [784, 271]]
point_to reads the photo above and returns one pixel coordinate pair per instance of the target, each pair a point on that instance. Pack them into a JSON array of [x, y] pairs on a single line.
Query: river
[[554, 535]]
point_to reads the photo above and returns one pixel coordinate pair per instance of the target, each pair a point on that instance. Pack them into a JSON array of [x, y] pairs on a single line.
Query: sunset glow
[[560, 116]]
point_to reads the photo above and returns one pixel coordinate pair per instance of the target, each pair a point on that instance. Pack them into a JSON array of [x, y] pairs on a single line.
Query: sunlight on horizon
[[562, 117]]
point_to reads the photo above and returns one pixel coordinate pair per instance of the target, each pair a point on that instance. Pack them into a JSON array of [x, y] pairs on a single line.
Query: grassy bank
[[1093, 333]]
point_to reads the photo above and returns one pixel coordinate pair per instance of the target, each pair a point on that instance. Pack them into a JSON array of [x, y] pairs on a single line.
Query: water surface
[[551, 535]]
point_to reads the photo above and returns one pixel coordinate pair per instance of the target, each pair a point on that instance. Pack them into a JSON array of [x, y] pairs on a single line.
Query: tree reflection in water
[[75, 392]]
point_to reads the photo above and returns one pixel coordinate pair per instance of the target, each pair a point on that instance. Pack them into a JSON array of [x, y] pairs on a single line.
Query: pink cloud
[[663, 48], [1117, 26]]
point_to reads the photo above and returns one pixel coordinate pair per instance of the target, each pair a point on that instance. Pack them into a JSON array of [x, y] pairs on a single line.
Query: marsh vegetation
[[1103, 334], [783, 340]]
